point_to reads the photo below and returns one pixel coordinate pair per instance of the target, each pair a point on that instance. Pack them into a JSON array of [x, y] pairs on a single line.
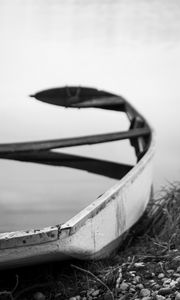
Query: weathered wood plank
[[29, 237], [70, 142], [99, 102]]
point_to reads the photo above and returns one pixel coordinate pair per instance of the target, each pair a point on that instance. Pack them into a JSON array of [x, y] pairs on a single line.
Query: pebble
[[177, 296], [178, 269], [161, 275], [147, 298], [39, 296], [174, 282], [152, 282], [153, 294], [72, 298], [133, 286], [90, 291], [132, 273], [137, 279], [165, 279], [145, 293], [170, 271], [160, 297], [124, 286], [176, 258], [139, 265], [176, 274], [164, 291], [140, 286], [177, 280], [156, 286], [132, 290], [95, 293]]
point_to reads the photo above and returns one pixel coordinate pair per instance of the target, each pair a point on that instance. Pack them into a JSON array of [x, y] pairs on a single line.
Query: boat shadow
[[96, 166]]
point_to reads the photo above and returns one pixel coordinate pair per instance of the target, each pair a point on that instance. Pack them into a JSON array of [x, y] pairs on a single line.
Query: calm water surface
[[129, 47]]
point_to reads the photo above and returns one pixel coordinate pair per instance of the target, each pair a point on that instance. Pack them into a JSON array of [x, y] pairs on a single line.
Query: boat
[[98, 230]]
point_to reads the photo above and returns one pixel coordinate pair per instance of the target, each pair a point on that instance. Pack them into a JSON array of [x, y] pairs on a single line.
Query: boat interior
[[139, 133]]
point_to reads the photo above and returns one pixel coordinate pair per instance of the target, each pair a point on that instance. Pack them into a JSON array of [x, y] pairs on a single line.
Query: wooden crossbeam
[[71, 142], [99, 102]]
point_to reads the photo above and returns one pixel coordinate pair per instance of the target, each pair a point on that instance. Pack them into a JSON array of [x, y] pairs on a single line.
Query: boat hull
[[95, 232]]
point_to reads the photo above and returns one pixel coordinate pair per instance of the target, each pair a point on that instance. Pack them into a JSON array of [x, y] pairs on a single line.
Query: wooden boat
[[96, 231]]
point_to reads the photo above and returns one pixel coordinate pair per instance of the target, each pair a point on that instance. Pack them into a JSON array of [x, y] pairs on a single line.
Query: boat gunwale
[[98, 204]]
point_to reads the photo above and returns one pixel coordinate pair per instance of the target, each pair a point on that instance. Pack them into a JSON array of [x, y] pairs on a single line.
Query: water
[[127, 47]]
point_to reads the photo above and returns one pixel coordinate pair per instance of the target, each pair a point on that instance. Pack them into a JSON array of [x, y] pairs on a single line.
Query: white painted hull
[[92, 234]]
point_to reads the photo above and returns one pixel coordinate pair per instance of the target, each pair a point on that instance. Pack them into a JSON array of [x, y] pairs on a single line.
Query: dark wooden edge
[[70, 142]]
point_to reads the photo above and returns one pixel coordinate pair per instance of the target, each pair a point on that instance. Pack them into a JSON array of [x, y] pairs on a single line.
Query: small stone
[[178, 280], [124, 286], [176, 258], [178, 269], [140, 286], [39, 296], [174, 282], [139, 265], [156, 286], [137, 279], [132, 273], [147, 275], [160, 297], [132, 290], [165, 279], [146, 298], [145, 293], [133, 286], [95, 293], [84, 298], [170, 271], [176, 275], [164, 291], [177, 296], [161, 275], [72, 298], [90, 291], [78, 297]]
